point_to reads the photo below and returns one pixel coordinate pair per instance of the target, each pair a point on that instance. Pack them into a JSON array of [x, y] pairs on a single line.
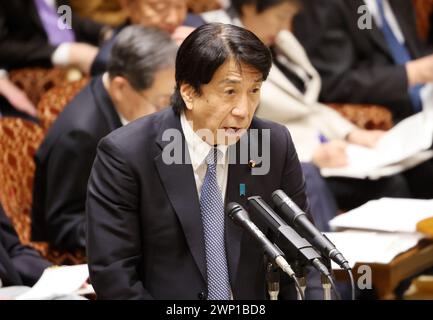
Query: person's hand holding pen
[[330, 154], [366, 138]]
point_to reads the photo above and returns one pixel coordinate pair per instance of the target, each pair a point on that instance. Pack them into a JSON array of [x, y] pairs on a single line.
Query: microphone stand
[[300, 273], [273, 280], [326, 284]]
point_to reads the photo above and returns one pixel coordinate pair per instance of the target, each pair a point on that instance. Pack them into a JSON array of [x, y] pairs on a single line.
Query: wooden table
[[386, 277]]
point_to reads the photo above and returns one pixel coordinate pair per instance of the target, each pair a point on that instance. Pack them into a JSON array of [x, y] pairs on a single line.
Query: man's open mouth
[[232, 130]]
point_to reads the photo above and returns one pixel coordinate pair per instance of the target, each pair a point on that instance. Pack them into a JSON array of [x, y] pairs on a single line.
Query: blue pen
[[323, 139]]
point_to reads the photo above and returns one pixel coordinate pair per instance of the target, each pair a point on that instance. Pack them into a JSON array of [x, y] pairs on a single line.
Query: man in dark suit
[[19, 265], [168, 15], [30, 35], [371, 56], [158, 188], [369, 52], [140, 80]]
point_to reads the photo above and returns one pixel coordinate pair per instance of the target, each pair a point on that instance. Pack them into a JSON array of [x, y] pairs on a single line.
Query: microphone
[[299, 220], [298, 246], [240, 216]]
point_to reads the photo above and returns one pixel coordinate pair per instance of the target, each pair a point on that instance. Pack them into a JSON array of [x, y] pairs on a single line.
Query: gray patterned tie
[[212, 211]]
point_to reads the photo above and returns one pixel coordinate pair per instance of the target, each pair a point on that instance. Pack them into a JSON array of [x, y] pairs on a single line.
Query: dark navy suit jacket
[[145, 235], [63, 164], [19, 265]]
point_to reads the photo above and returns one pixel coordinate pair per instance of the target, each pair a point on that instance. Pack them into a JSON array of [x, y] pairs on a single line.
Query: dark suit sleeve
[[293, 181], [346, 77], [26, 261], [15, 53], [113, 235], [99, 65], [87, 30], [68, 170]]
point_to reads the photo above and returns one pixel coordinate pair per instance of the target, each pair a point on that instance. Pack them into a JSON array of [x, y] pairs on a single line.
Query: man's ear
[[117, 86], [188, 93]]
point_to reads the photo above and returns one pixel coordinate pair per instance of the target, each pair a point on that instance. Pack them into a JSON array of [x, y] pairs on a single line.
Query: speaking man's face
[[226, 105]]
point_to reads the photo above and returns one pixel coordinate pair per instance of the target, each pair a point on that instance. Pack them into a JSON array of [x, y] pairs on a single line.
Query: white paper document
[[57, 282], [372, 247], [388, 215], [403, 147]]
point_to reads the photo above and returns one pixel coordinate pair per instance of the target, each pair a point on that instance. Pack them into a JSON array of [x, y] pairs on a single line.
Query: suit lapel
[[410, 38], [34, 15], [186, 203], [279, 80], [179, 183], [105, 104], [377, 36], [233, 236], [374, 33], [290, 48], [238, 173]]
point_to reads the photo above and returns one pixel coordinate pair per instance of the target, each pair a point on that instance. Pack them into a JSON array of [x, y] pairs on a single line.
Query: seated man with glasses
[[139, 81], [169, 15]]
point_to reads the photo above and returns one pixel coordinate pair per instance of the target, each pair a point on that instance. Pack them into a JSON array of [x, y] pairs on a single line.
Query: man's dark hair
[[138, 53], [261, 5], [208, 48]]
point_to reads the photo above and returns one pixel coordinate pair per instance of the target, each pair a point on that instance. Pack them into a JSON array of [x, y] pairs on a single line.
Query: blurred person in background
[[36, 34], [139, 81], [385, 62], [169, 15]]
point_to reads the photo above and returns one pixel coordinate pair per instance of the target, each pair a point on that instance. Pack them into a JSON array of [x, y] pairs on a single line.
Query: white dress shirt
[[390, 17], [106, 83], [123, 120], [51, 3], [198, 150]]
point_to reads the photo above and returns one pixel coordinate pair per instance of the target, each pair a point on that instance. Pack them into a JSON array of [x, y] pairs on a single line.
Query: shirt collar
[[122, 119], [105, 82], [198, 149]]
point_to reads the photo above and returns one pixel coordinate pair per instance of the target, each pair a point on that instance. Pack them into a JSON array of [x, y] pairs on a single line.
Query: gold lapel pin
[[252, 164]]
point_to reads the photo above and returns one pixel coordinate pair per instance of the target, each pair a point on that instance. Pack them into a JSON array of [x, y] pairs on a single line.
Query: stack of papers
[[372, 247], [57, 282], [379, 230], [387, 214], [403, 147]]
